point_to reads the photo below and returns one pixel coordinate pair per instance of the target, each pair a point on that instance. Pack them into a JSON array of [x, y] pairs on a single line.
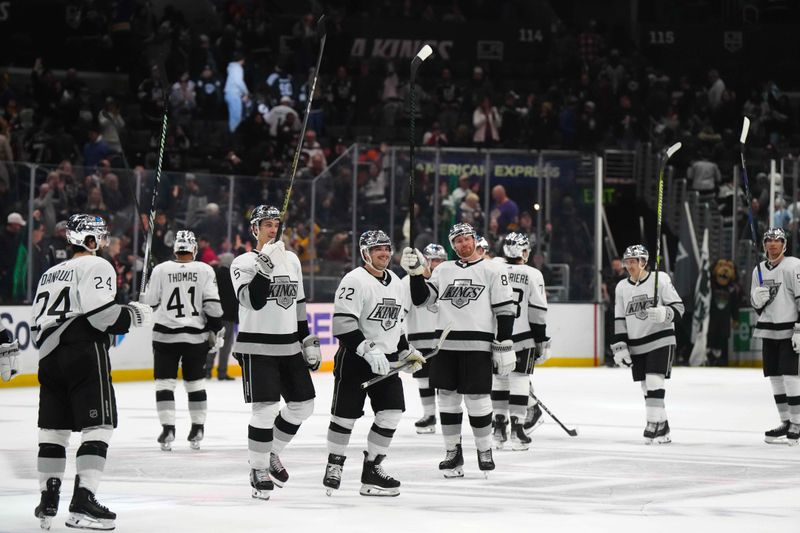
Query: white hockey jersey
[[364, 302], [777, 319], [185, 295], [630, 313], [271, 330], [420, 322], [530, 301], [470, 296], [82, 286]]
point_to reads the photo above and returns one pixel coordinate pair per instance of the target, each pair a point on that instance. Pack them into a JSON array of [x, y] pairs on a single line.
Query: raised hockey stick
[[748, 198], [570, 432], [392, 372], [423, 54], [670, 152], [323, 35]]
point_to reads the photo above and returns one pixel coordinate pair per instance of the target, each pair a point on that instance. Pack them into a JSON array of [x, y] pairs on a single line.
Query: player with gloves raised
[[644, 335], [75, 318], [473, 294], [187, 323], [367, 320], [274, 348]]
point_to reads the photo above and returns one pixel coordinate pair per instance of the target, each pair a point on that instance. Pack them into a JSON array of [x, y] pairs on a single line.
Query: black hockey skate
[[485, 462], [86, 513], [777, 435], [453, 464], [520, 441], [167, 437], [662, 433], [333, 473], [375, 481], [426, 424], [499, 431], [261, 483], [196, 434], [276, 470], [48, 505], [650, 432], [793, 434], [533, 419]]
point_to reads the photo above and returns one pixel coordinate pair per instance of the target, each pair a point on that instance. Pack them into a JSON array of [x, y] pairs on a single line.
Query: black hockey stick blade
[[570, 431]]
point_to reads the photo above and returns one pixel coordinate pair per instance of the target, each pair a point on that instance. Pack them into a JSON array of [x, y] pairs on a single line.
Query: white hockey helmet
[[435, 251], [81, 227], [462, 228], [516, 245], [371, 239], [262, 212], [481, 242], [774, 234], [185, 241], [636, 251]]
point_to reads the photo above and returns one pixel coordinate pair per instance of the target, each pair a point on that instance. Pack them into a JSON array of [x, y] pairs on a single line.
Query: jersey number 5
[[174, 303]]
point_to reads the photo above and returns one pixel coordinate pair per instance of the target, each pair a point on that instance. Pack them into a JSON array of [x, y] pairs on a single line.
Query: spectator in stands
[[56, 246], [390, 97], [46, 202], [277, 116], [113, 254], [540, 264], [280, 84], [112, 125], [704, 175], [367, 92], [230, 318], [341, 96], [95, 204], [715, 89], [460, 192], [183, 99], [112, 195], [195, 200], [151, 94], [205, 253], [505, 210], [163, 237], [435, 136], [512, 118], [447, 97], [311, 147], [203, 56], [95, 149], [470, 210], [6, 156], [213, 225], [11, 238], [487, 123], [208, 94], [236, 92], [478, 88]]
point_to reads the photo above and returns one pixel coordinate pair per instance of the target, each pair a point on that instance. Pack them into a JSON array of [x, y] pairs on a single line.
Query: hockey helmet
[[371, 239], [81, 227], [262, 212], [462, 228], [435, 251], [636, 251], [515, 245], [774, 234], [185, 241], [482, 243]]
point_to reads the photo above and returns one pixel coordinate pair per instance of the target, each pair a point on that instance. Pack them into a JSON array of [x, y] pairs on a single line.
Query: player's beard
[[469, 255]]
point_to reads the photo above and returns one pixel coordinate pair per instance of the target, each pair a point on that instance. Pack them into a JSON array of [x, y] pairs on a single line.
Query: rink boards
[[576, 331]]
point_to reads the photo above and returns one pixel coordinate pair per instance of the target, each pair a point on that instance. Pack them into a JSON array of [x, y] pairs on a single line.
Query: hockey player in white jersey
[[274, 348], [421, 330], [644, 335], [187, 319], [531, 345], [9, 354], [367, 321], [777, 302], [475, 295], [74, 320]]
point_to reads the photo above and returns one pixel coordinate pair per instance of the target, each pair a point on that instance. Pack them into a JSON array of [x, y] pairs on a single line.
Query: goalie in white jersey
[[187, 320], [274, 347], [777, 303], [367, 321], [510, 394], [644, 335], [74, 320], [475, 296], [421, 330]]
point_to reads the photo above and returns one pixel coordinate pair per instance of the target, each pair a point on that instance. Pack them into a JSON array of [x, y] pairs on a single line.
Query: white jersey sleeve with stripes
[[777, 318]]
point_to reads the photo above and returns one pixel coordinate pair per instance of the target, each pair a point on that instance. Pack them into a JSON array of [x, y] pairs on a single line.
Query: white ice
[[717, 475]]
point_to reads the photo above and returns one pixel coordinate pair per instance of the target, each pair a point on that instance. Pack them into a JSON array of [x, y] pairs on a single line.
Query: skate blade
[[374, 490], [329, 492], [486, 474], [45, 522], [663, 440], [776, 440], [453, 473], [261, 494], [194, 444], [648, 441], [426, 430], [84, 521], [531, 429], [498, 445], [792, 442], [166, 446], [521, 447]]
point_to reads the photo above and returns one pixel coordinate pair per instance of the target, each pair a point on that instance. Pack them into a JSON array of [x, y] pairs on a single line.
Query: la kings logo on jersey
[[283, 290], [387, 312], [461, 292], [773, 288], [638, 306]]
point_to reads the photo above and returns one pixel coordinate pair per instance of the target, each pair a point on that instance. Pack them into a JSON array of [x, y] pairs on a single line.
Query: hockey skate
[[662, 433], [520, 441], [86, 513], [777, 435], [499, 431], [426, 424], [793, 434], [48, 505], [276, 470], [166, 438], [485, 462], [196, 434], [533, 419], [333, 473], [650, 432], [453, 464], [375, 481], [261, 483]]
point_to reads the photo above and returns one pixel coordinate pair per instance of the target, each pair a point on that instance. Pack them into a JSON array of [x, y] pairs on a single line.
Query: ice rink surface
[[717, 475]]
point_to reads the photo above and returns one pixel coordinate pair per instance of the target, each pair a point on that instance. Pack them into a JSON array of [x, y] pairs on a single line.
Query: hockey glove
[[376, 358], [542, 352], [9, 360], [216, 340], [759, 297], [796, 338], [413, 261], [660, 314], [412, 356], [141, 315], [311, 352], [621, 354], [504, 357], [268, 256]]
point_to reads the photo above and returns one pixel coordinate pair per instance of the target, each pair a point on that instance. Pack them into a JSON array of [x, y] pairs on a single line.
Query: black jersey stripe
[[501, 304], [663, 334], [775, 326], [160, 328], [267, 338]]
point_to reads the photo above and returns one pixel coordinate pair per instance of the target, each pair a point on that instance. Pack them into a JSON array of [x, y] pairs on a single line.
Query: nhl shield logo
[[461, 292], [387, 312], [283, 290], [733, 41], [638, 306]]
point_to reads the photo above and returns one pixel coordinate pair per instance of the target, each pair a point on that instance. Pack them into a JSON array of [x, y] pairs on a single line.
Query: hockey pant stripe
[[339, 432], [479, 407], [450, 414], [381, 433], [288, 422], [198, 400], [259, 433], [792, 384], [654, 393], [91, 457], [779, 393], [427, 397]]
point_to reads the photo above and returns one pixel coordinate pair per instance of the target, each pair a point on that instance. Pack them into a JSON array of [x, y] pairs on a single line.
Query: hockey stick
[[748, 198], [323, 35], [402, 367], [670, 152], [423, 54], [570, 432]]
